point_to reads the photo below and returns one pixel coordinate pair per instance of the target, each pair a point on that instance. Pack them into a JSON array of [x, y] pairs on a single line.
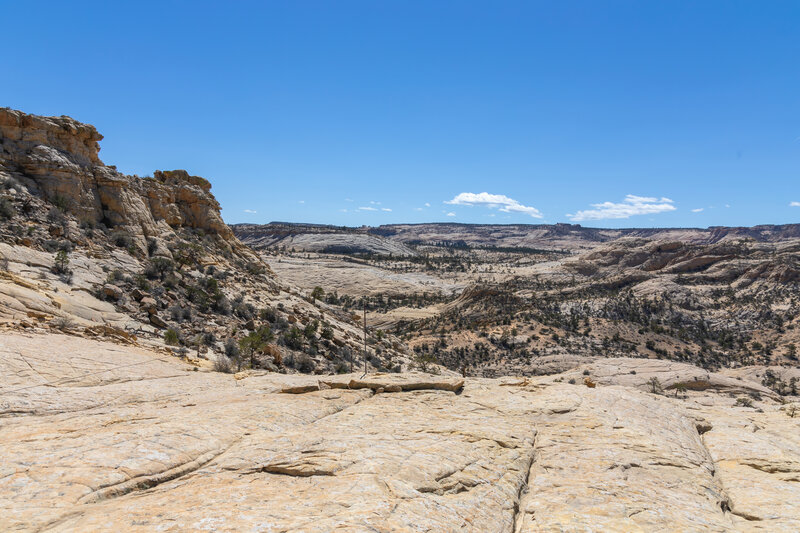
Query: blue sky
[[610, 114]]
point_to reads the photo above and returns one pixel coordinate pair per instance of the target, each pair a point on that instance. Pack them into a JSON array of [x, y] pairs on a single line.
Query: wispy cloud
[[494, 201], [386, 209], [301, 201], [698, 210], [348, 199], [794, 204], [251, 211], [451, 214], [367, 208], [632, 205], [427, 204]]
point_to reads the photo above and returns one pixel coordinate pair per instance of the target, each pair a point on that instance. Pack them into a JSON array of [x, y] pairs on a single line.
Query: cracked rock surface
[[102, 437]]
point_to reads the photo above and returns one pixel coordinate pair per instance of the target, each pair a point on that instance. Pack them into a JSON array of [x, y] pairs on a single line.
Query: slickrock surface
[[102, 437]]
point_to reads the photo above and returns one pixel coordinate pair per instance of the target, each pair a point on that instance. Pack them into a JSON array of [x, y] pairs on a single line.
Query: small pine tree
[[62, 262]]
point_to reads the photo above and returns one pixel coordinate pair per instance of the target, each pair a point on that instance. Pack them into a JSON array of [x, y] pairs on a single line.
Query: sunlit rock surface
[[105, 437]]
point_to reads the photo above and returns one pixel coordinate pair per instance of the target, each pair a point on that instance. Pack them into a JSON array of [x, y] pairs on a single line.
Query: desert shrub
[[293, 338], [7, 210], [231, 348], [318, 293], [171, 337], [56, 216], [158, 268], [141, 282], [222, 305], [223, 364], [267, 314], [122, 239], [424, 360], [311, 329], [744, 402], [243, 309], [305, 364], [179, 313], [61, 202]]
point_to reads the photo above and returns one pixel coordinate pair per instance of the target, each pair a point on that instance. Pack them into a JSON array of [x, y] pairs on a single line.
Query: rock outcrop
[[88, 250], [102, 437], [57, 158]]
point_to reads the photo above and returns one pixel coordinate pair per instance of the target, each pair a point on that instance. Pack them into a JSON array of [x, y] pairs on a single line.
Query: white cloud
[[251, 211], [386, 209], [348, 199], [794, 204], [375, 203], [417, 209], [301, 202], [343, 210], [698, 210], [727, 205], [427, 204], [500, 201], [451, 214], [632, 205], [367, 208]]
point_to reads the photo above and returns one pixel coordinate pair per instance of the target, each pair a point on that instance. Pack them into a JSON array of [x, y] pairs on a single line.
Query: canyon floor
[[99, 436]]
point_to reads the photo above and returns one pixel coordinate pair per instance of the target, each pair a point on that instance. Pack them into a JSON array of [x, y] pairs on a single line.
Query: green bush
[[171, 337]]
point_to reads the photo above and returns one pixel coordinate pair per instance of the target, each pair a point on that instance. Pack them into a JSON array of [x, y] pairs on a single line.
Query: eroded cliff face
[[57, 158]]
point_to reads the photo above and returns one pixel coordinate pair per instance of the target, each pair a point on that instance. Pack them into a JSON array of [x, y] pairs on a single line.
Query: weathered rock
[[149, 305], [58, 157], [112, 292], [158, 322], [100, 437]]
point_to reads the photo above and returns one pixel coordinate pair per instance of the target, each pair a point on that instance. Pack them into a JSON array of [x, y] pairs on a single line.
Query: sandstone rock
[[102, 437], [112, 292], [158, 322], [58, 157], [149, 305]]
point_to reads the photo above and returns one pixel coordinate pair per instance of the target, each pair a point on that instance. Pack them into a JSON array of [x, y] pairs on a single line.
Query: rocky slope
[[103, 437], [88, 250]]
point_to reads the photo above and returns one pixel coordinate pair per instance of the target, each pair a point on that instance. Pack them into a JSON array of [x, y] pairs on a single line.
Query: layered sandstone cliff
[[57, 159]]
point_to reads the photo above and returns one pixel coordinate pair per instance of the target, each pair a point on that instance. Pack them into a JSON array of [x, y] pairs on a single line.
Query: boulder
[[112, 292], [158, 322]]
